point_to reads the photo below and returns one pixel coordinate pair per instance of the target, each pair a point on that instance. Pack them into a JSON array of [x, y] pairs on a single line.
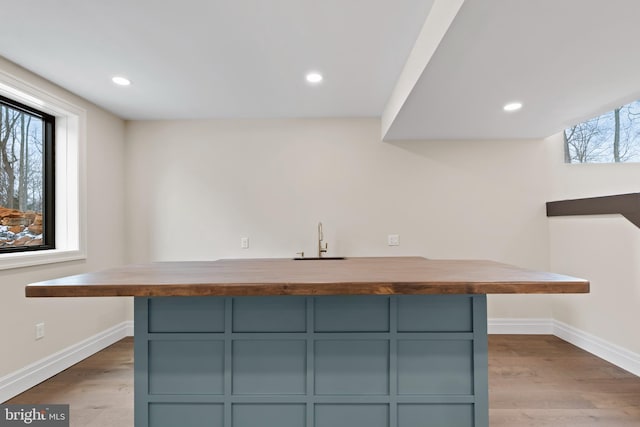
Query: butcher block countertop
[[351, 276]]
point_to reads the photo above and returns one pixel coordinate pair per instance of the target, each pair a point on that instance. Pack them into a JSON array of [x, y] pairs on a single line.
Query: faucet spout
[[321, 249]]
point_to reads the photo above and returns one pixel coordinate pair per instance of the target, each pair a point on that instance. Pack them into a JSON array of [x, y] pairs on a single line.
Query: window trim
[[48, 182], [70, 174]]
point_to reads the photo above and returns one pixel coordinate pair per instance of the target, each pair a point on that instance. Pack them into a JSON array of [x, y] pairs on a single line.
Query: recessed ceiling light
[[314, 77], [512, 106], [121, 81]]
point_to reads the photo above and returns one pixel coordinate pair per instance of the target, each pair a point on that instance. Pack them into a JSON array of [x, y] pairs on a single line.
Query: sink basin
[[328, 258]]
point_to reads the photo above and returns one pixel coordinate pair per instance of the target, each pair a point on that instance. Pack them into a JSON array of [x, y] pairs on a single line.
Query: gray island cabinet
[[359, 342]]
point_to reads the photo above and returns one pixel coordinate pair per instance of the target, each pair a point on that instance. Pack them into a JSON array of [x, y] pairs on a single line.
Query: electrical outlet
[[393, 240], [244, 243], [39, 330]]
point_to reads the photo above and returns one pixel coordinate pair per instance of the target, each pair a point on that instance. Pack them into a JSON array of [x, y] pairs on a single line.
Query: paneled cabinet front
[[330, 361]]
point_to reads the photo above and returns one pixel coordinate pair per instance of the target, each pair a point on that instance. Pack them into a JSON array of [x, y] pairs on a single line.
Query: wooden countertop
[[352, 276]]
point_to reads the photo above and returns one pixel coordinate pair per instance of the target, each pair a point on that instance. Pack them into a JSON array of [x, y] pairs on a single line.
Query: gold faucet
[[321, 250]]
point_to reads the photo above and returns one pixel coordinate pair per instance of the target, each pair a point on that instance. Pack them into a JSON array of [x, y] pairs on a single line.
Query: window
[[26, 178], [68, 204], [613, 137]]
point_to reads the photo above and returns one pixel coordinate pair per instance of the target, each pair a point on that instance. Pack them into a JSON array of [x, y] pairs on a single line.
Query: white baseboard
[[129, 327], [29, 376], [612, 353], [520, 326], [17, 382]]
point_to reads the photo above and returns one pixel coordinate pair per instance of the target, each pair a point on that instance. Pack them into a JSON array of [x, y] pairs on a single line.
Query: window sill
[[30, 259]]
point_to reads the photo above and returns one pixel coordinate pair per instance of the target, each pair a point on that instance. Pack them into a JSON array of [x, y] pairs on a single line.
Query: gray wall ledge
[[627, 205]]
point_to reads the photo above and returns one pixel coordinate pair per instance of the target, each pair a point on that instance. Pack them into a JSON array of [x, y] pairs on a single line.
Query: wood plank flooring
[[543, 381], [99, 389], [534, 381]]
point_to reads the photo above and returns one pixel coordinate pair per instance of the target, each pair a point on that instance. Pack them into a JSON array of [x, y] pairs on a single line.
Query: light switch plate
[[39, 330]]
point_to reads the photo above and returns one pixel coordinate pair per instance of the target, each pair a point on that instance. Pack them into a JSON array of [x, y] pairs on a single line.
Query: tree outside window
[[613, 137], [26, 178]]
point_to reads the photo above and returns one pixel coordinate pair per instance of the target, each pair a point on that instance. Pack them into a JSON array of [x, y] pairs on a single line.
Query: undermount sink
[[322, 249]]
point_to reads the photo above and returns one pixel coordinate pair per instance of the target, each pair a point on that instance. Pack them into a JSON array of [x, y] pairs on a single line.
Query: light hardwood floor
[[534, 381], [543, 381]]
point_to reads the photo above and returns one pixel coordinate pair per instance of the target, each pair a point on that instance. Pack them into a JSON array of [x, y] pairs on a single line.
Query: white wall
[[69, 321], [193, 188], [196, 187], [604, 249]]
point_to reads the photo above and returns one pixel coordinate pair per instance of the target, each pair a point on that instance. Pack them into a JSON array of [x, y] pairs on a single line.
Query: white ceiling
[[566, 60], [217, 58]]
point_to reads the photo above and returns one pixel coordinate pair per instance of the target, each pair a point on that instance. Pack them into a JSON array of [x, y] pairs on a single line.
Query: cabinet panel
[[435, 367], [269, 367], [186, 415], [352, 314], [435, 415], [186, 367], [350, 415], [276, 415], [435, 313], [186, 314], [269, 314], [352, 367]]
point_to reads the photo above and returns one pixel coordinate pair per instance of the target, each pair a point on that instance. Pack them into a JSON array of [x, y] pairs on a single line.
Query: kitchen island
[[359, 342]]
